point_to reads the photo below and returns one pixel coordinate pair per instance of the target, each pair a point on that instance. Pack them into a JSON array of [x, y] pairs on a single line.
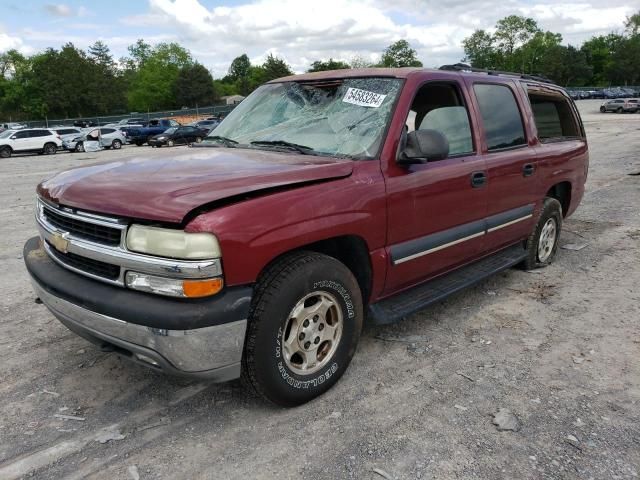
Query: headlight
[[161, 138], [165, 242]]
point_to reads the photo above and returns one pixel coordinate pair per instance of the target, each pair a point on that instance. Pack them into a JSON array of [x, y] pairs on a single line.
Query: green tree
[[331, 64], [400, 54], [239, 71], [152, 85], [633, 24], [514, 31], [275, 67], [480, 51], [106, 85], [194, 86]]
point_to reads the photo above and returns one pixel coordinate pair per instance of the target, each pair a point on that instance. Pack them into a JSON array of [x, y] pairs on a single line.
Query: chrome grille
[[77, 240], [87, 265], [80, 228]]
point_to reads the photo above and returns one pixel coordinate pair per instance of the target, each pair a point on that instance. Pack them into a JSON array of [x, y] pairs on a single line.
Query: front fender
[[254, 232]]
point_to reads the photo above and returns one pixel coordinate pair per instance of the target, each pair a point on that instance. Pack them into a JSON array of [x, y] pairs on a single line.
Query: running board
[[393, 309]]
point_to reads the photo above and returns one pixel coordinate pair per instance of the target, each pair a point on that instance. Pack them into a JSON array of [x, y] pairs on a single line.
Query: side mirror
[[422, 146], [13, 137]]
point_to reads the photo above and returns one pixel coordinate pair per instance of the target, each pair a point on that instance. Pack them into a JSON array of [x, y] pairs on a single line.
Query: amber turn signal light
[[201, 288]]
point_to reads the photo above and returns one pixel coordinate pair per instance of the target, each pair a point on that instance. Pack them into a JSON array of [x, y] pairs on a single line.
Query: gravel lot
[[559, 348]]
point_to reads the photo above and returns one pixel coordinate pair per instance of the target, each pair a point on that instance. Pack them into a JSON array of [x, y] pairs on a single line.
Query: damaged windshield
[[341, 117]]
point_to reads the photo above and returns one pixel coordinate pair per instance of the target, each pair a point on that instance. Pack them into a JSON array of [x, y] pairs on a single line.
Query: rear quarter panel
[[558, 161]]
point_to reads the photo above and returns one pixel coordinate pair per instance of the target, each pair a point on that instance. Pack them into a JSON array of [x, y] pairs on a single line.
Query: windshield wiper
[[227, 142], [284, 144]]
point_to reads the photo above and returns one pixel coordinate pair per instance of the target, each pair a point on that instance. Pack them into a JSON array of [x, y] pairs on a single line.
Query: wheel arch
[[350, 250], [562, 192]]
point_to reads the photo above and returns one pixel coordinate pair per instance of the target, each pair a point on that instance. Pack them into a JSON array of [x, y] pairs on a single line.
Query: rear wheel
[[619, 110], [5, 152], [198, 139], [116, 144], [542, 244], [304, 326], [139, 143], [149, 138], [50, 148]]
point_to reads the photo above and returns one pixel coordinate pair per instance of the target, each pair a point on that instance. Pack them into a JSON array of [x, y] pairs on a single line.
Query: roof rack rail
[[463, 67]]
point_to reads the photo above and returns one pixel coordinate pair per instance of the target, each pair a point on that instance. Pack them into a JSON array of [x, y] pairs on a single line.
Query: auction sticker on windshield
[[363, 98]]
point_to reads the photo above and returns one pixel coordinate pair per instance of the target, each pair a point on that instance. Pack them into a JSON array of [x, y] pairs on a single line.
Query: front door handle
[[478, 179], [528, 170]]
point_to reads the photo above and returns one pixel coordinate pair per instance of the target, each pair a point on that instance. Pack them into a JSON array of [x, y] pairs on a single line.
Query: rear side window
[[39, 133], [106, 131], [500, 115], [554, 118]]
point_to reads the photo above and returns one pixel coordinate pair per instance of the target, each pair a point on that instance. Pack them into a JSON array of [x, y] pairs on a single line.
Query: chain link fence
[[198, 113]]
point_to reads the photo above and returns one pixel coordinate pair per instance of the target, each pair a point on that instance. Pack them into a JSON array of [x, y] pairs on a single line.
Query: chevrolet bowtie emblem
[[60, 242]]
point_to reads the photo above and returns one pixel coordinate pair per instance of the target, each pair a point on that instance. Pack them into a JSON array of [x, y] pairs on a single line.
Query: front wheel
[[5, 152], [304, 326], [603, 110], [79, 147], [170, 143], [542, 244], [619, 110], [198, 139]]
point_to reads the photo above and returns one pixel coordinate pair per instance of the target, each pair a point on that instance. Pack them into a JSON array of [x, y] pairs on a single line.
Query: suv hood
[[168, 185]]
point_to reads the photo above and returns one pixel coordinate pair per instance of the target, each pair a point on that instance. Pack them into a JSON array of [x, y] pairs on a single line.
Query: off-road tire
[[5, 152], [278, 290], [551, 209]]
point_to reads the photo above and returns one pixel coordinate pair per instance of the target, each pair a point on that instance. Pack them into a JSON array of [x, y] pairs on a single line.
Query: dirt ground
[[559, 348]]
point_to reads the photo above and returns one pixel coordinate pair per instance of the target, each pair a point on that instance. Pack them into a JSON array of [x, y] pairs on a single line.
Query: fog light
[[173, 287]]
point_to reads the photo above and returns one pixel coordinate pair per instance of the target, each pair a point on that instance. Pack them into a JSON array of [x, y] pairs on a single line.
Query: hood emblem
[[60, 242]]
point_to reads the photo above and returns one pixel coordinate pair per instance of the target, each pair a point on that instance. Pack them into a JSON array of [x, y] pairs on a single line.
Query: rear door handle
[[528, 170], [478, 179]]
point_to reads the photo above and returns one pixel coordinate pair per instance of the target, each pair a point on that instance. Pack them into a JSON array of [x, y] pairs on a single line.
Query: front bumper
[[202, 338], [157, 143]]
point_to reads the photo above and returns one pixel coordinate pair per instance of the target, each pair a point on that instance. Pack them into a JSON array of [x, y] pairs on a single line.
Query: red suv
[[322, 201]]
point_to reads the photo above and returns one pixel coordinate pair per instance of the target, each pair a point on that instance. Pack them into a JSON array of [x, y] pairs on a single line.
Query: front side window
[[500, 115], [22, 134], [440, 107], [554, 117], [335, 117]]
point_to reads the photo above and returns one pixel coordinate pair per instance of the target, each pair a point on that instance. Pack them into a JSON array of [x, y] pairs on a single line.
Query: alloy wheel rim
[[547, 240], [312, 333]]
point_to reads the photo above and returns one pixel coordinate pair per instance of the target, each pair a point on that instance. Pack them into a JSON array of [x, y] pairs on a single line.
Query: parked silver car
[[108, 138], [620, 105], [67, 133]]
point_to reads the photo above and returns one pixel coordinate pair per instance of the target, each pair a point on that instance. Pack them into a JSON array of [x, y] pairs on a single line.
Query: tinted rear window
[[554, 117], [500, 115]]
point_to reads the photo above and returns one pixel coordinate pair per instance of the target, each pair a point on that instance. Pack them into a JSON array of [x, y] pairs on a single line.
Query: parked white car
[[39, 140]]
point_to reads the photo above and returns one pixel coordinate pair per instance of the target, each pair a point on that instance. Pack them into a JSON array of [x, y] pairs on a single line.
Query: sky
[[300, 31]]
